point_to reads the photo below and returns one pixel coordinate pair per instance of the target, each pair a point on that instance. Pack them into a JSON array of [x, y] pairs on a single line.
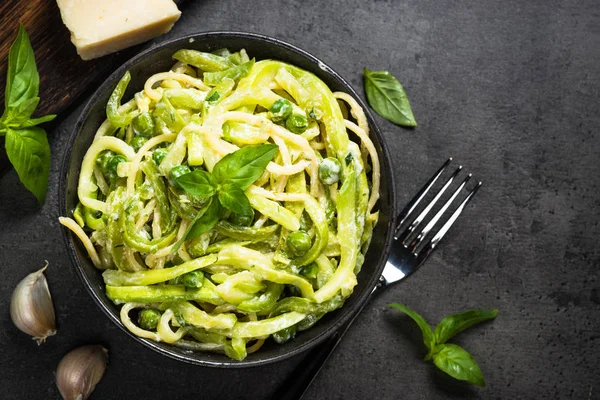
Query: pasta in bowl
[[229, 202]]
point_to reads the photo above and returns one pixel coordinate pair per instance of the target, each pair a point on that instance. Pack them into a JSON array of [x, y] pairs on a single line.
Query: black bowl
[[157, 59]]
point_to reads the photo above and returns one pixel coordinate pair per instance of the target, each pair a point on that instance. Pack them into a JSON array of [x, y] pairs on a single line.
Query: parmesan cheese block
[[100, 27]]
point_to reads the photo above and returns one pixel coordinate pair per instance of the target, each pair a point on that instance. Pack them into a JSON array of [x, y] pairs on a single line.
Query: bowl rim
[[385, 163]]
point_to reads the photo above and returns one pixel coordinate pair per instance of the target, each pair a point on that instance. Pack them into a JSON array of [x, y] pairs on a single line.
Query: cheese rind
[[100, 27]]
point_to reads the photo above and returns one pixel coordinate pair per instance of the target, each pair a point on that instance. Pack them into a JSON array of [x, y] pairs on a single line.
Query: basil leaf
[[29, 152], [198, 183], [15, 117], [205, 214], [387, 97], [244, 166], [234, 199], [205, 222], [37, 121], [423, 325], [458, 363], [22, 80], [456, 323]]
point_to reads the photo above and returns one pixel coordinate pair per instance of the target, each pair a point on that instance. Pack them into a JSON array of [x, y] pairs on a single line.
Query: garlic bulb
[[80, 370], [31, 308]]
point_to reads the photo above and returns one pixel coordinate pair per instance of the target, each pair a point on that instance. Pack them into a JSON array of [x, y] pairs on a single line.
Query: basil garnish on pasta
[[212, 205]]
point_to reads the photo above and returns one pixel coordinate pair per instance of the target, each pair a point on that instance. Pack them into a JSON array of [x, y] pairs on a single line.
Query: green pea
[[193, 279], [296, 123], [299, 243], [113, 162], [176, 172], [281, 109], [148, 318], [241, 220], [143, 124], [158, 155], [102, 160], [137, 142], [329, 170]]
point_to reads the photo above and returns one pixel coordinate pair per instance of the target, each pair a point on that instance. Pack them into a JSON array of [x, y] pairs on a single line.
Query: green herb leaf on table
[[29, 152], [387, 97], [423, 325], [244, 166], [22, 80], [450, 358], [26, 145], [234, 199], [456, 323], [458, 363], [37, 121], [18, 115], [198, 183]]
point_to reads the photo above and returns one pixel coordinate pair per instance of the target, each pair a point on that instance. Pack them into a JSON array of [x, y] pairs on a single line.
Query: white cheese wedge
[[100, 27]]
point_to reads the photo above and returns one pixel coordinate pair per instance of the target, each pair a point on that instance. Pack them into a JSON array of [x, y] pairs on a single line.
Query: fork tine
[[419, 239], [440, 234], [417, 199], [407, 232]]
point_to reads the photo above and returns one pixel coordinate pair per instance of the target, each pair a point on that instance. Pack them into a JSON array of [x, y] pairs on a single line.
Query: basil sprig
[[225, 186], [26, 144], [387, 97], [243, 167], [451, 358]]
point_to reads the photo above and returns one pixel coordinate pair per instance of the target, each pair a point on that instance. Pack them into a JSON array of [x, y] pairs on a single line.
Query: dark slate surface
[[511, 90]]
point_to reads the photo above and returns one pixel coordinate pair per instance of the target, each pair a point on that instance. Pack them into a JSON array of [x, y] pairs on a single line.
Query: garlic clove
[[31, 307], [80, 370]]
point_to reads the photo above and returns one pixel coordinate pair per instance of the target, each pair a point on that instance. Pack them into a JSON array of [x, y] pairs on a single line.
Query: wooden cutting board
[[64, 77]]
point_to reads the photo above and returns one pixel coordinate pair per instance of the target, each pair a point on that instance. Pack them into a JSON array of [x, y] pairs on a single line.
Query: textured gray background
[[511, 90]]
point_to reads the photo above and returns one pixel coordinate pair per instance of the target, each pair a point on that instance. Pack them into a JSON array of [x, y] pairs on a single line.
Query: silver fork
[[407, 254]]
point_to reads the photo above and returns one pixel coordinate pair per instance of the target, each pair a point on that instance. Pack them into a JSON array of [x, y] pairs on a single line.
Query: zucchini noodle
[[87, 243], [133, 328], [245, 282], [156, 95], [368, 144], [135, 163]]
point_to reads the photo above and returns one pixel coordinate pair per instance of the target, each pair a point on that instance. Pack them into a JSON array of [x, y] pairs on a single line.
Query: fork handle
[[294, 387]]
